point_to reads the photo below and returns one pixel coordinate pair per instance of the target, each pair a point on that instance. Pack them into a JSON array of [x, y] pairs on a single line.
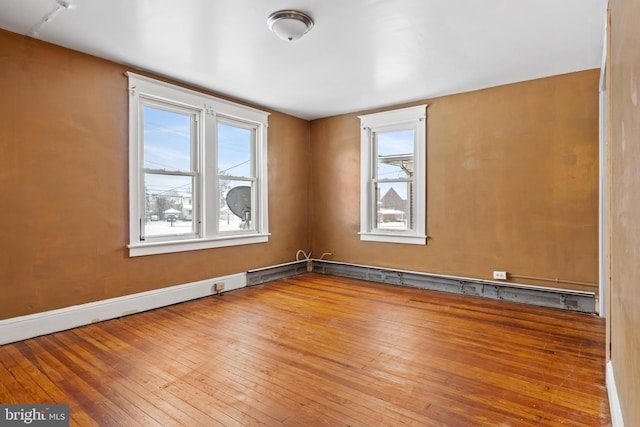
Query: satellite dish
[[239, 201]]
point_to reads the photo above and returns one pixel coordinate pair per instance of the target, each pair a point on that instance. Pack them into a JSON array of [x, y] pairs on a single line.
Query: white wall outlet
[[500, 275]]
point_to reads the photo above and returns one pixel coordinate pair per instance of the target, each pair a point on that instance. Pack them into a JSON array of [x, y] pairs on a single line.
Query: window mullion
[[209, 177]]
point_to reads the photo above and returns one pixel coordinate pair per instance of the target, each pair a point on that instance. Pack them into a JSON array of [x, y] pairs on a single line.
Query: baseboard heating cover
[[528, 294], [277, 272]]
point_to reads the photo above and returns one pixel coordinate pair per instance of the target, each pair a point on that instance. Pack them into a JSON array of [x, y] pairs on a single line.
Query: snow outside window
[[393, 176], [197, 172]]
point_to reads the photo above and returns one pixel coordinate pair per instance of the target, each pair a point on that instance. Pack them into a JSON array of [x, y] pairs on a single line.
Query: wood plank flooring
[[321, 351]]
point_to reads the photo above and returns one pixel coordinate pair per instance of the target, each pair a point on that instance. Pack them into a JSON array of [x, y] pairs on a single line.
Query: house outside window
[[197, 170], [393, 176]]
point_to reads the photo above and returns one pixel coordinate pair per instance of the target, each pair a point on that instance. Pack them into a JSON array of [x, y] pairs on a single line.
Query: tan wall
[[624, 175], [512, 185], [64, 191]]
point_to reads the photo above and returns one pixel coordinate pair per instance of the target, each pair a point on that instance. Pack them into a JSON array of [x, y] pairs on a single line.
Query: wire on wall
[[307, 257]]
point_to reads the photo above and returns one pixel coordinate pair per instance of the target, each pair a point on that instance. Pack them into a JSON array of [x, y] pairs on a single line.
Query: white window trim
[[209, 108], [404, 118]]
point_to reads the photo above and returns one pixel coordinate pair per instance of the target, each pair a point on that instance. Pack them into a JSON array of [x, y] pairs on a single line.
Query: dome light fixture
[[289, 25]]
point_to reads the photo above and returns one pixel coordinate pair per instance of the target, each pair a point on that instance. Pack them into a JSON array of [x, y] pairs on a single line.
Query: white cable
[[307, 257]]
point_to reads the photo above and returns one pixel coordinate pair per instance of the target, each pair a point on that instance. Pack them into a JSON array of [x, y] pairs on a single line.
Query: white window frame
[[205, 198], [411, 118]]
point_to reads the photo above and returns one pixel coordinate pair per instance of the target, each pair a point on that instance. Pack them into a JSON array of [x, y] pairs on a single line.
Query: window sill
[[154, 248], [393, 238]]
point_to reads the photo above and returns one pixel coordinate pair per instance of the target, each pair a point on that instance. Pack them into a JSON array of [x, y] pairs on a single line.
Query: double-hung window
[[197, 170], [393, 176]]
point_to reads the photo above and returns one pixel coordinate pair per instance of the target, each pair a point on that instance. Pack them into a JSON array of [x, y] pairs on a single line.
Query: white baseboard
[[33, 325], [614, 401]]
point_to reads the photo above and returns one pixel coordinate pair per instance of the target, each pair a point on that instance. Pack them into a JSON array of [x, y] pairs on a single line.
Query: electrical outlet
[[500, 275], [218, 287]]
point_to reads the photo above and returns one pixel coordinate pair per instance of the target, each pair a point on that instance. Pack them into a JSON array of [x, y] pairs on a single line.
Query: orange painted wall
[[63, 183], [512, 184], [624, 179]]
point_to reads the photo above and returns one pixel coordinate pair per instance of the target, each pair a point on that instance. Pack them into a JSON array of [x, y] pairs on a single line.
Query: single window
[[169, 170], [236, 176], [393, 176], [198, 170]]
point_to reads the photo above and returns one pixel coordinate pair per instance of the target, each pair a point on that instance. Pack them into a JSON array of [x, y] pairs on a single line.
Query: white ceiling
[[361, 54]]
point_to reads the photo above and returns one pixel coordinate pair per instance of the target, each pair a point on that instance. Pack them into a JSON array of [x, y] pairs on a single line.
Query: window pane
[[167, 140], [236, 205], [395, 206], [234, 151], [168, 208], [394, 154]]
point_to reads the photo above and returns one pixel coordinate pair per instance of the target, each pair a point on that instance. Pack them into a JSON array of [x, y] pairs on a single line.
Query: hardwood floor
[[318, 350]]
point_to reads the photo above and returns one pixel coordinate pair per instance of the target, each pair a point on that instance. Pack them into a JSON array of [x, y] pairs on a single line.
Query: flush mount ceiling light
[[289, 24]]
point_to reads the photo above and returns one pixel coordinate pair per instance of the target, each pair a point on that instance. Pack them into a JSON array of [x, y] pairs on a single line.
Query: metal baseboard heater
[[565, 299], [276, 272]]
